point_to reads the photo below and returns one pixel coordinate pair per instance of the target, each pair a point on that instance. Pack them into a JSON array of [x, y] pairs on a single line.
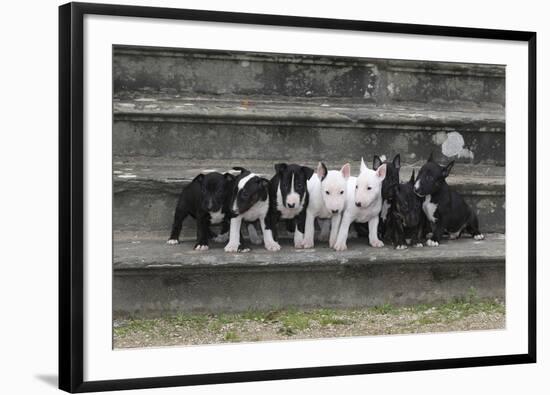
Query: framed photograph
[[253, 197]]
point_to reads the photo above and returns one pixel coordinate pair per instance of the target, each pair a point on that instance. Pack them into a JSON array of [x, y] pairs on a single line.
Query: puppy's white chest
[[216, 216], [257, 211], [429, 208], [288, 213]]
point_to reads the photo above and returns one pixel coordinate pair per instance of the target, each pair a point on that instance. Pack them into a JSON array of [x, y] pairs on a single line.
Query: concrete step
[[282, 129], [152, 278], [383, 81], [146, 189]]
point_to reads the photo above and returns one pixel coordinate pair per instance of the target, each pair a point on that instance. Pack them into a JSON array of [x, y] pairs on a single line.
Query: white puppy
[[327, 199], [363, 204]]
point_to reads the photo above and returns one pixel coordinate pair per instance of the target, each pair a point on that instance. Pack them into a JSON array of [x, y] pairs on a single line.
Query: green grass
[[290, 322], [231, 337]]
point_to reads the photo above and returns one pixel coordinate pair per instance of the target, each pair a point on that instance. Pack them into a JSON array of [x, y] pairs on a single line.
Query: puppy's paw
[[479, 237], [340, 246], [419, 245], [221, 238], [172, 242], [232, 247], [432, 243], [401, 247], [201, 247], [378, 244], [308, 244], [272, 246]]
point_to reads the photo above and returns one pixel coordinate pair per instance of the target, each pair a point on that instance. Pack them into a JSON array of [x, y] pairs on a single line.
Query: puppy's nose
[[291, 205], [358, 204], [334, 211]]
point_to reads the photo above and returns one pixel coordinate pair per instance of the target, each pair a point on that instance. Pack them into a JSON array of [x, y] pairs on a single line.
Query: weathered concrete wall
[[200, 72], [468, 143]]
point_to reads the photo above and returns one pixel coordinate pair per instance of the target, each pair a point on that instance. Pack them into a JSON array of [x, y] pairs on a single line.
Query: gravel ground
[[193, 329]]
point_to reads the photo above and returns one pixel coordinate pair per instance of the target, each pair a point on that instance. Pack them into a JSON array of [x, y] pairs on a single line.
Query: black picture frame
[[71, 224]]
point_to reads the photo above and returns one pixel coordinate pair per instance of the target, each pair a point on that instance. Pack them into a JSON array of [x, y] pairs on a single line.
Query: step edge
[[308, 266], [445, 68]]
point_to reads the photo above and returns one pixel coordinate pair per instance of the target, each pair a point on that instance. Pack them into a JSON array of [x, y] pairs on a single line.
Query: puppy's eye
[[369, 188], [341, 192], [357, 187], [327, 192]]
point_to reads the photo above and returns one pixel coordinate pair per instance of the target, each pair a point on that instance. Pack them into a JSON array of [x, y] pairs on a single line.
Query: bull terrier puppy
[[363, 204], [327, 199], [406, 217], [288, 199], [249, 203], [206, 199], [445, 208]]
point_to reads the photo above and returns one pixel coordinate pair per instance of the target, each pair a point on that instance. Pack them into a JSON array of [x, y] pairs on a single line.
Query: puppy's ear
[[431, 158], [376, 162], [199, 178], [346, 170], [447, 169], [363, 166], [264, 186], [280, 167], [411, 181], [229, 177], [322, 170], [308, 171], [397, 161], [381, 172]]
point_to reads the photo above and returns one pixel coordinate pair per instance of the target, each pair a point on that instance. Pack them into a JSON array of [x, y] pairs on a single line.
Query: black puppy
[[288, 199], [206, 199], [391, 181], [445, 209], [406, 217], [249, 203]]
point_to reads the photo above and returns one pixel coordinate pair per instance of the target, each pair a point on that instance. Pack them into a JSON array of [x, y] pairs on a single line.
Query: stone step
[[152, 278], [146, 189], [383, 81], [277, 128]]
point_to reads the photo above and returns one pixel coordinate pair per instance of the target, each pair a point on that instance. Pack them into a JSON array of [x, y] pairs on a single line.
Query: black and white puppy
[[388, 190], [249, 203], [406, 219], [445, 209], [288, 199], [206, 199]]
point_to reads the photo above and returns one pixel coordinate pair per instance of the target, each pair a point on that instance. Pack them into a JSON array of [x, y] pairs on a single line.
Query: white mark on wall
[[452, 144]]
